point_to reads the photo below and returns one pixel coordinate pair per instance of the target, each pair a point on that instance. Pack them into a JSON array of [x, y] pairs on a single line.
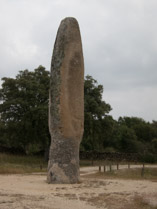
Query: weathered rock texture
[[66, 106]]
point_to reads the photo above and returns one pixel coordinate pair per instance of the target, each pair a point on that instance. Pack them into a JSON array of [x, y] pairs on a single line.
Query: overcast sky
[[119, 42]]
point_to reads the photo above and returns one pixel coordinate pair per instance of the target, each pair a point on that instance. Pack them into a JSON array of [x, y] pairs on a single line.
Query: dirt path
[[32, 191]]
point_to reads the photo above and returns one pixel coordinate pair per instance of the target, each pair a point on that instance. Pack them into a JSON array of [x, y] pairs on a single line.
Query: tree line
[[24, 119]]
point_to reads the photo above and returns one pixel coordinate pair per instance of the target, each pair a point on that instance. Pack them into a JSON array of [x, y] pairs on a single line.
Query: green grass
[[12, 164]]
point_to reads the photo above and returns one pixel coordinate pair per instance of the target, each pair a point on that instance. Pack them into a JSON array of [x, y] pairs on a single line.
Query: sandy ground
[[31, 191]]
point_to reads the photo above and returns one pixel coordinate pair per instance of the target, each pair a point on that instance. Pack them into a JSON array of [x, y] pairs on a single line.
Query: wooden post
[[92, 158], [117, 166], [128, 165], [99, 168], [110, 167], [92, 162], [104, 168], [142, 171]]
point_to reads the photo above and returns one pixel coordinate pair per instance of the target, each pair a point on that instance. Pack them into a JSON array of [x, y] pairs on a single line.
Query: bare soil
[[27, 191]]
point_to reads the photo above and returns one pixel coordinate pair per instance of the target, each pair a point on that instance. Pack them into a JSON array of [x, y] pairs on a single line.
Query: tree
[[95, 110], [24, 110], [111, 134], [142, 128], [143, 137]]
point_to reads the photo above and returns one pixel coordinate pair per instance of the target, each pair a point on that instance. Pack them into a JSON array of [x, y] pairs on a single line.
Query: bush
[[148, 158]]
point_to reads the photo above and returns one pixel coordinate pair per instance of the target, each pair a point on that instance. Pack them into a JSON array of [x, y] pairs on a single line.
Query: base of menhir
[[63, 166]]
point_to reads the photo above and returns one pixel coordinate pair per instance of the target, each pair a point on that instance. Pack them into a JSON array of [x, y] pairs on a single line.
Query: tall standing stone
[[66, 105]]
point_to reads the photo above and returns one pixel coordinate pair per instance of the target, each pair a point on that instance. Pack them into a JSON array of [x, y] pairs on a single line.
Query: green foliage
[[94, 105], [146, 133], [95, 110], [24, 116], [24, 110], [103, 133]]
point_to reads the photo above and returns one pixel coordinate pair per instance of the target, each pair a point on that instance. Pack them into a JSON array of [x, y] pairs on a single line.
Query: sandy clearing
[[32, 191]]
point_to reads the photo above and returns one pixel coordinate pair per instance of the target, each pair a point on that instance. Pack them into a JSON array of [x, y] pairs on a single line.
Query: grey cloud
[[119, 43]]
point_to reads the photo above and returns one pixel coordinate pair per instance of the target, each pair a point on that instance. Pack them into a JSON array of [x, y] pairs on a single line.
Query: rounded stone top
[[68, 33], [69, 19], [69, 22]]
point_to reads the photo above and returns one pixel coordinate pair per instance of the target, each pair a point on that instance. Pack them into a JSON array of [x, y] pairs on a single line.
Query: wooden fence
[[109, 156]]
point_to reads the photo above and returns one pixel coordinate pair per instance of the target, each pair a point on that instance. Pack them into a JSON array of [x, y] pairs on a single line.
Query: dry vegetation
[[120, 202], [14, 164], [134, 174]]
